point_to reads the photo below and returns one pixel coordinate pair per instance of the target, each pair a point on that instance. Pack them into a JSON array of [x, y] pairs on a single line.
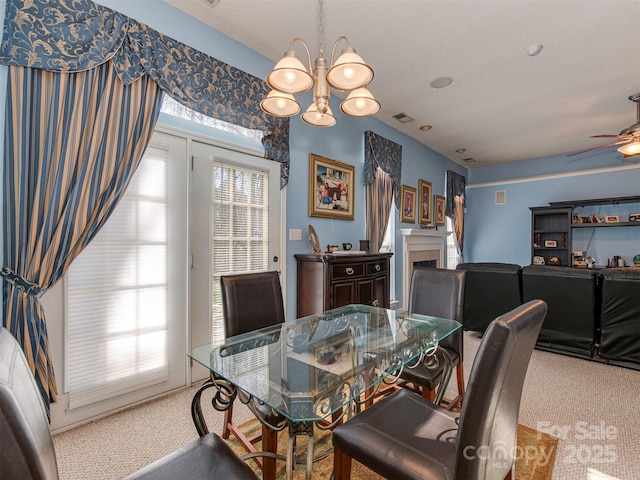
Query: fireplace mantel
[[420, 245]]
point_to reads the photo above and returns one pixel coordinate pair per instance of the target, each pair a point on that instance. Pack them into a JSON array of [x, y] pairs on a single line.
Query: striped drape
[[379, 203], [454, 198], [382, 174], [72, 143]]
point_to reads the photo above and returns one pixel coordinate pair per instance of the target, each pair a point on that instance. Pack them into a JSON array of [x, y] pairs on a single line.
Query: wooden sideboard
[[329, 281]]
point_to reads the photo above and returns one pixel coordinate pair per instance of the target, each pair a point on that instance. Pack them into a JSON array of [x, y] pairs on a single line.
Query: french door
[[234, 228]]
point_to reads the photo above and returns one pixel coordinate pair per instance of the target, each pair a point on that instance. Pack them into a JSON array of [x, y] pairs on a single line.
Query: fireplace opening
[[426, 263]]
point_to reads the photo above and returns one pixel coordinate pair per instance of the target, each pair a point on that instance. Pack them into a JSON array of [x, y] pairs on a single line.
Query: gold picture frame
[[408, 207], [330, 188], [438, 210], [425, 202]]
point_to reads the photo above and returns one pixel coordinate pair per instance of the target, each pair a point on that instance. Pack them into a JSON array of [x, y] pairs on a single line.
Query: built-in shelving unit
[[556, 222]]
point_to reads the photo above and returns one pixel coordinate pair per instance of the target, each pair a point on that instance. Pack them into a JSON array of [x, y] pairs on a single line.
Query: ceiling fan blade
[[598, 147], [608, 136]]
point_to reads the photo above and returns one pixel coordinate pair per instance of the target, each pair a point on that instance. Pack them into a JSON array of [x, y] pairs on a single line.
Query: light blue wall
[[503, 232]]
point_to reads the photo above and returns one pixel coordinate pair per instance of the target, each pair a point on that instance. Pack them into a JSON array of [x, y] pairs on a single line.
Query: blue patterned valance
[[78, 35], [383, 153]]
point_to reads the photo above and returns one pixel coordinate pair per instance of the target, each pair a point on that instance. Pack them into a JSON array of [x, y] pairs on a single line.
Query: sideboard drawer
[[347, 270], [374, 268]]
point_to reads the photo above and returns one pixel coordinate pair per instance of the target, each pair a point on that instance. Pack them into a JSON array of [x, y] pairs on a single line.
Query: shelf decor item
[[330, 188], [408, 213], [611, 219], [550, 243], [315, 241], [425, 202]]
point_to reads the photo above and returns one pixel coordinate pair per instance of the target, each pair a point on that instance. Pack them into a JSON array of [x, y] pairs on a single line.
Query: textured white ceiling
[[503, 105]]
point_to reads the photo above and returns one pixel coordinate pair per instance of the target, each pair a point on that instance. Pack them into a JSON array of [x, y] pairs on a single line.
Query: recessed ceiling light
[[461, 150], [424, 128], [441, 82]]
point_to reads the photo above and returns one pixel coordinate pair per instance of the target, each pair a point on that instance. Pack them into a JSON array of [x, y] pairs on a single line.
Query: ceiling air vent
[[501, 197], [403, 118]]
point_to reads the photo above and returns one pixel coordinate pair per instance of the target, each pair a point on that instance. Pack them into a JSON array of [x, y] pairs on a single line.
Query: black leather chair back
[[492, 288], [26, 446], [620, 316], [440, 293], [251, 301], [571, 295], [489, 418]]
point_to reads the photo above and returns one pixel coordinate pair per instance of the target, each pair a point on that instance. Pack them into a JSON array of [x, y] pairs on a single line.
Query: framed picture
[[408, 211], [425, 202], [575, 218], [438, 210], [611, 219], [550, 243], [330, 188]]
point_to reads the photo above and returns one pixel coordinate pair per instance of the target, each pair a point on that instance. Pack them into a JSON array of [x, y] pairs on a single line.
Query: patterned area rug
[[535, 455]]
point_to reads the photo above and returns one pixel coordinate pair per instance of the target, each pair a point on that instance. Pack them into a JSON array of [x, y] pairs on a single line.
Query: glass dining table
[[320, 369]]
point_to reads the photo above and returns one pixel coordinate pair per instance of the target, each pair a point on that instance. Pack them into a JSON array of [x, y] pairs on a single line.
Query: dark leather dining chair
[[27, 450], [405, 436], [440, 293], [251, 301]]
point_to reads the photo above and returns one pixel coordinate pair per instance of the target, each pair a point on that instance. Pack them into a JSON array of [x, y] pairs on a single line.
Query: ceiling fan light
[[313, 117], [632, 148], [280, 104], [360, 103], [349, 71], [290, 75]]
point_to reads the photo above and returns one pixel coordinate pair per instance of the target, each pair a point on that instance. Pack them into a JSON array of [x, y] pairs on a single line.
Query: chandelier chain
[[321, 26]]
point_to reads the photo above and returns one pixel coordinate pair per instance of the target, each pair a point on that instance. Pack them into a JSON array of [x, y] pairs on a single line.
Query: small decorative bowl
[[346, 246]]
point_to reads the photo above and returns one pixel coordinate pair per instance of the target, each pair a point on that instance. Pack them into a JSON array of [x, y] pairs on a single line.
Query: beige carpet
[[595, 407]]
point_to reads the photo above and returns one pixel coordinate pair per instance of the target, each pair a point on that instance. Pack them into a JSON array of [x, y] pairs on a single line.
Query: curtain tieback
[[21, 283]]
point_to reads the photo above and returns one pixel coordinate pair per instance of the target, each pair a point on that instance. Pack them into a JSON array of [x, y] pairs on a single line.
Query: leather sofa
[[593, 314], [620, 316], [493, 288], [572, 296]]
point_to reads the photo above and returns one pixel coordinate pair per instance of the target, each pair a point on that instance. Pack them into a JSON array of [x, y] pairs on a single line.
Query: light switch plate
[[295, 234]]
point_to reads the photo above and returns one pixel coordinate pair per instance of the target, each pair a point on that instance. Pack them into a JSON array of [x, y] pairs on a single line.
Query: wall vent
[[403, 118], [501, 197]]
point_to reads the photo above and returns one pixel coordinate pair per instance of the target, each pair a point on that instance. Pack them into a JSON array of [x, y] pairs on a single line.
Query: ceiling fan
[[629, 138]]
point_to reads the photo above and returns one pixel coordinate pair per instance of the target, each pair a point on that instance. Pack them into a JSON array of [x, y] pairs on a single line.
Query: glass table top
[[308, 368]]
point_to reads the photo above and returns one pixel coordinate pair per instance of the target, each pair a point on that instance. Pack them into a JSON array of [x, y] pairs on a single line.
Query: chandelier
[[348, 73]]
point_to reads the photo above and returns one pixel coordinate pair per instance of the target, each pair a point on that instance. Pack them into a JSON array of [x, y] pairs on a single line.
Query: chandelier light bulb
[[280, 104], [313, 117], [360, 103], [348, 73]]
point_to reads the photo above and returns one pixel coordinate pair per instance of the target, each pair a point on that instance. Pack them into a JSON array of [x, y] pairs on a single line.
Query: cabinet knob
[[349, 271], [377, 268]]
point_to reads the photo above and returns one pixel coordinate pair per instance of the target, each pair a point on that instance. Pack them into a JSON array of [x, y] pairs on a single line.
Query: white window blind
[[117, 294], [240, 229], [389, 245], [453, 259]]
